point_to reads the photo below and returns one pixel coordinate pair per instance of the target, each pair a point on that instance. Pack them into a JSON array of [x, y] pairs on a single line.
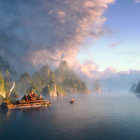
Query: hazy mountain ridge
[[58, 82], [121, 82]]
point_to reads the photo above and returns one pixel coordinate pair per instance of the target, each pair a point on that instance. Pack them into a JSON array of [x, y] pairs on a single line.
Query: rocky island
[[47, 82]]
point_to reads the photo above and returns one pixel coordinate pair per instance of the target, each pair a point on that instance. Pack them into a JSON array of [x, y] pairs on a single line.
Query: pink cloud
[[72, 25], [137, 1]]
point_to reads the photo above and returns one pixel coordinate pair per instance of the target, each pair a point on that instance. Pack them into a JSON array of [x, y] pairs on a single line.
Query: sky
[[95, 37], [120, 48]]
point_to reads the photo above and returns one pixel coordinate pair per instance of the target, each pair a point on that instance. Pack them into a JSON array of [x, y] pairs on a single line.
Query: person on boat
[[29, 96], [40, 97], [35, 95], [26, 98], [72, 99]]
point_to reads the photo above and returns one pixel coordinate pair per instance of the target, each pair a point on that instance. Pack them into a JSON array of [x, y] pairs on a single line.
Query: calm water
[[92, 117]]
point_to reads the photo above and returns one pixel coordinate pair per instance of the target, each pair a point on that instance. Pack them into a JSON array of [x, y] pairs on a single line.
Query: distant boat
[[72, 101]]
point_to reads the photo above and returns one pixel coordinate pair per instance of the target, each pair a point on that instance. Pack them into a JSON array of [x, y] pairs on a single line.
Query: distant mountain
[[121, 81]]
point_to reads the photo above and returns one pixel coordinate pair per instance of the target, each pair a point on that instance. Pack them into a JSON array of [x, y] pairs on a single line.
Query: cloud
[[137, 1], [90, 70], [36, 32]]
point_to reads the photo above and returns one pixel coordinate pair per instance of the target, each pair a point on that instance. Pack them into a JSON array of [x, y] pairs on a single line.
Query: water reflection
[[105, 116]]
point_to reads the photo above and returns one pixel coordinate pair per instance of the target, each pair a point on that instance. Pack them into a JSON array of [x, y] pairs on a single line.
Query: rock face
[[50, 90], [133, 87], [53, 92], [137, 88]]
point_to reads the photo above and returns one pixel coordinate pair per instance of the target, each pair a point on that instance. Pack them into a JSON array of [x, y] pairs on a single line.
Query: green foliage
[[2, 86], [41, 78], [68, 80], [8, 83], [51, 86], [60, 90], [1, 98], [74, 85]]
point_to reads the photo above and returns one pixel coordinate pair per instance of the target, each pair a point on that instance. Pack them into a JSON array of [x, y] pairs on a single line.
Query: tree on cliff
[[2, 87]]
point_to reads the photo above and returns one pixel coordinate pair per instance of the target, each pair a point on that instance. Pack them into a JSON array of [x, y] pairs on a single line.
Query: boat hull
[[25, 105]]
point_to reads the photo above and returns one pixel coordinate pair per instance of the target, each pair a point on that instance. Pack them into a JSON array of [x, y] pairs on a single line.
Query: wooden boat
[[30, 104], [32, 100]]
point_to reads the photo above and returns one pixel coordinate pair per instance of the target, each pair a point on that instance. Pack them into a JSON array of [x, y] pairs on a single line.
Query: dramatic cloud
[[36, 32]]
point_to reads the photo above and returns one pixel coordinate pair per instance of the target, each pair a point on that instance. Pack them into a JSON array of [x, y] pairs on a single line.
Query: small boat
[[72, 101]]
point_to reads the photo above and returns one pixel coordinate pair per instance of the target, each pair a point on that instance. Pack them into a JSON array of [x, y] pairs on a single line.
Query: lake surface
[[92, 117]]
